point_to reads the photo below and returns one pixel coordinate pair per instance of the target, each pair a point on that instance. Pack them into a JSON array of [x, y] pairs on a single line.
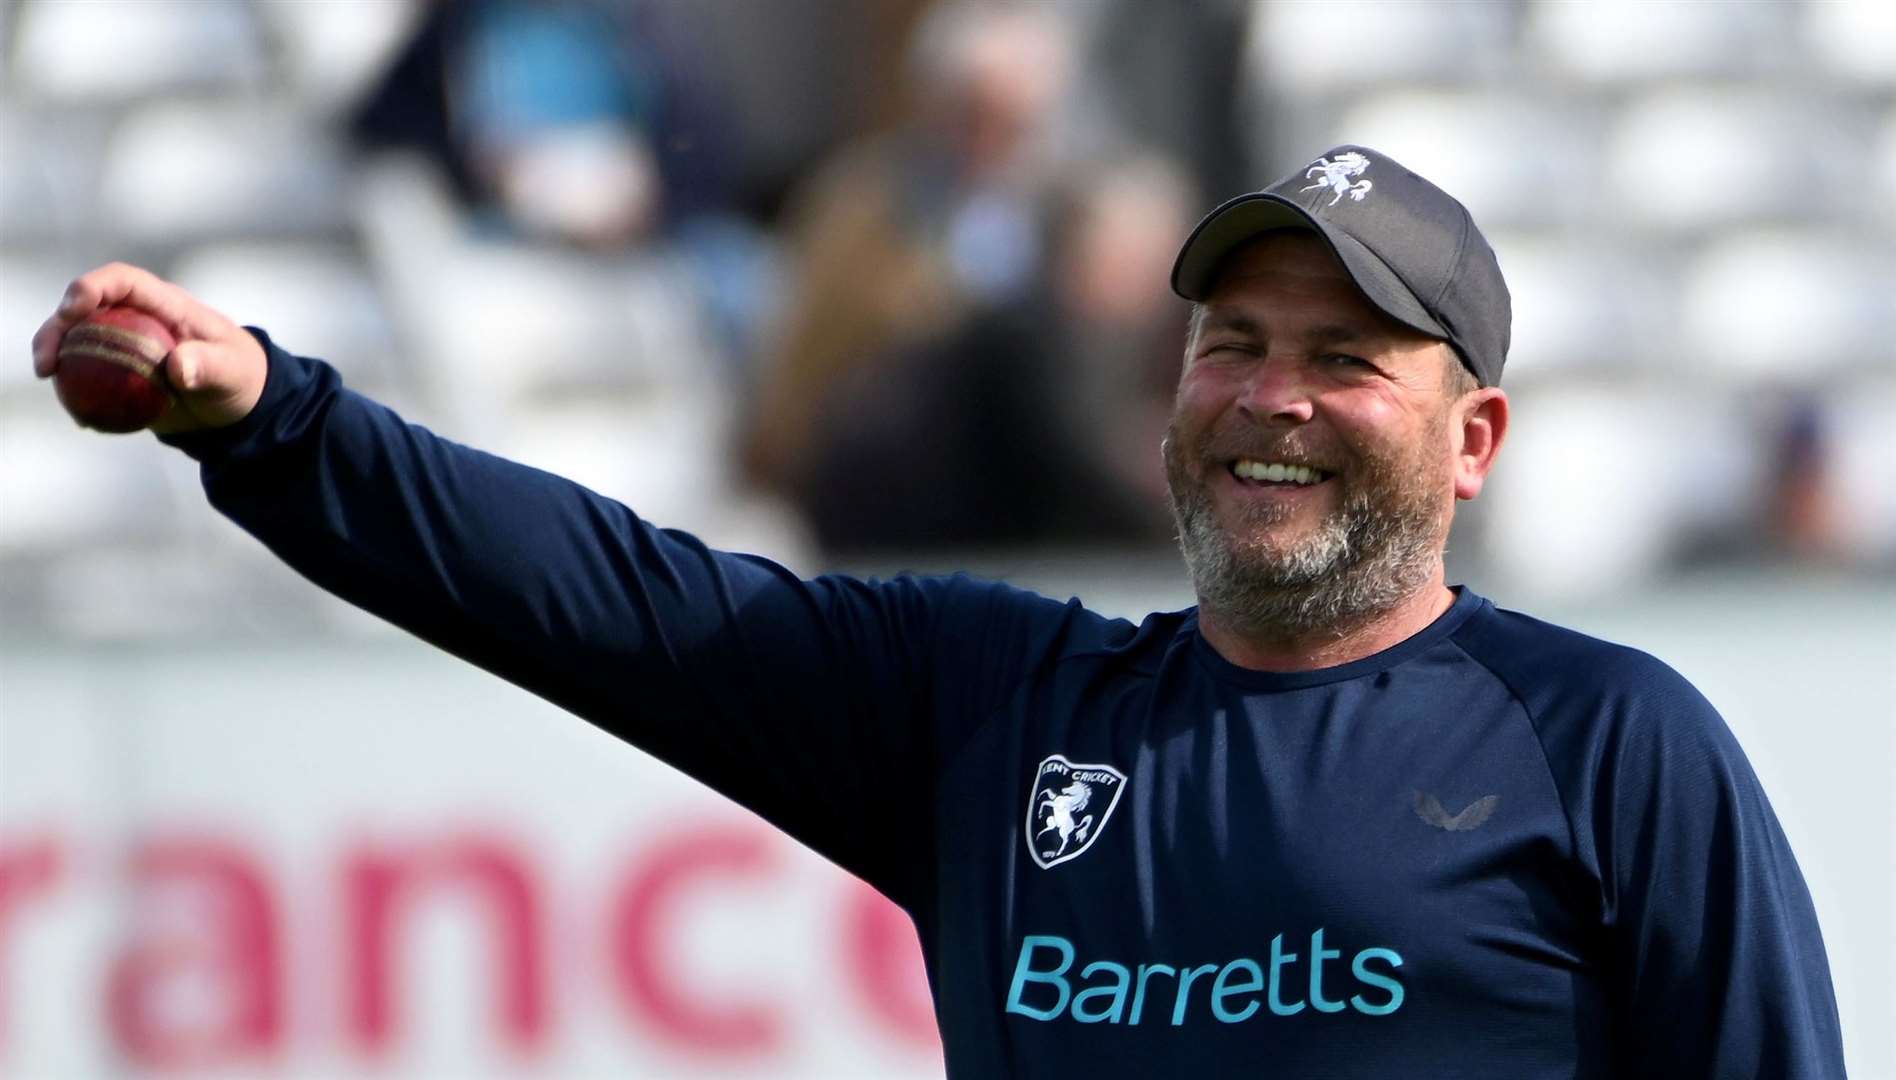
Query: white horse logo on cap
[[1336, 176]]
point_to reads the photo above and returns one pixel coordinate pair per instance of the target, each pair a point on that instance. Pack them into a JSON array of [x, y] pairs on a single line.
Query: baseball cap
[[1410, 246]]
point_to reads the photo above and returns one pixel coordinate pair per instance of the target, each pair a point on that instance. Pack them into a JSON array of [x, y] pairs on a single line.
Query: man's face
[[1291, 366]]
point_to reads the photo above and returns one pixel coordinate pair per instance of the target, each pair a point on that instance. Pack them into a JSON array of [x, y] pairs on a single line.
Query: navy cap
[[1410, 246]]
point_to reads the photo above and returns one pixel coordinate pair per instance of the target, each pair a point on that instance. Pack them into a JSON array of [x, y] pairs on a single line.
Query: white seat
[[48, 164], [115, 50], [664, 455], [30, 201], [331, 52], [1854, 39], [524, 321], [1698, 157], [1507, 158], [30, 287], [61, 486], [184, 170], [1616, 41], [1305, 47], [1584, 306], [1883, 164], [314, 299], [1789, 304], [1599, 481], [519, 319]]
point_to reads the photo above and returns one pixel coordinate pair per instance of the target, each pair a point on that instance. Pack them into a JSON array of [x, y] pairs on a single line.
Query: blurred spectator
[[1170, 83], [590, 127], [1801, 513], [1038, 418], [894, 240], [1767, 485], [577, 120]]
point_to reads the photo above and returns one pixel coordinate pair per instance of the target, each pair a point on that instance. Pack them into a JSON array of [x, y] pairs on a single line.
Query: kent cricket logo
[[1337, 174], [1067, 807]]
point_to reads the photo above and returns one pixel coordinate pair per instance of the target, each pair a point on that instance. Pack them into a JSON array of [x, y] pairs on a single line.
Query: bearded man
[[1339, 819]]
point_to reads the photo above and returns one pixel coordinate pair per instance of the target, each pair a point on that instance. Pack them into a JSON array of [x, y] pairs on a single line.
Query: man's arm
[[1719, 967], [810, 702]]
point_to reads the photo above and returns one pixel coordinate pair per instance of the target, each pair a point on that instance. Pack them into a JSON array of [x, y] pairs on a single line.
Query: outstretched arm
[[795, 697]]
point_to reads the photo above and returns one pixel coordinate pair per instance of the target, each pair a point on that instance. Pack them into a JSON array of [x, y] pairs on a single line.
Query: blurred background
[[866, 285]]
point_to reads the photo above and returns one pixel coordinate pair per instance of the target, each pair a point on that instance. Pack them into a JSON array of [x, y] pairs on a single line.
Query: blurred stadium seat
[[1511, 158], [33, 284], [329, 52], [1312, 47], [1883, 165], [1617, 41], [1585, 305], [48, 172], [1772, 302], [659, 453], [525, 319], [525, 322], [1700, 156], [125, 50], [1853, 39], [62, 493], [315, 298], [233, 168], [1605, 477]]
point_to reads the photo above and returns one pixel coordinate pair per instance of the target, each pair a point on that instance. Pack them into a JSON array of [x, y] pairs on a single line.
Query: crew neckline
[[1465, 605]]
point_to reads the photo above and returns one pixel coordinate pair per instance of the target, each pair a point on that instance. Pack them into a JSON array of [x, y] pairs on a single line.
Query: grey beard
[[1377, 550]]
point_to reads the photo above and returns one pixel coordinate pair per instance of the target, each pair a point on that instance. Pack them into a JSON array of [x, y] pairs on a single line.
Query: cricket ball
[[111, 370]]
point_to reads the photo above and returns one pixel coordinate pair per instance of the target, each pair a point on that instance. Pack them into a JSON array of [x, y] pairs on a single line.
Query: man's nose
[[1276, 393]]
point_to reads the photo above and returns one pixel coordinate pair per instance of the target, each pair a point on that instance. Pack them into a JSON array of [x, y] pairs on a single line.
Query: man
[[1338, 820]]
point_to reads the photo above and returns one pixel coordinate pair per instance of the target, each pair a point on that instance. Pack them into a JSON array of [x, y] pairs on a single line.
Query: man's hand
[[217, 369]]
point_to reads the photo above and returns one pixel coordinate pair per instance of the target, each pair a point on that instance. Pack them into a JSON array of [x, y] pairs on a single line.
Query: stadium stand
[[1695, 203]]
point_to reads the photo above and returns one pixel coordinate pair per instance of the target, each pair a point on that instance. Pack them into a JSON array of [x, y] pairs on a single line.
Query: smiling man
[[1338, 819], [1314, 458]]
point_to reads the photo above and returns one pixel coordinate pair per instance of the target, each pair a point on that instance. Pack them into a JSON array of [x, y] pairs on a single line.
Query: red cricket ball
[[112, 370]]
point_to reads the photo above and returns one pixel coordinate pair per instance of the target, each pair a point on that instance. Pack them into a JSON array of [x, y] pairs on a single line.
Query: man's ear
[[1480, 421]]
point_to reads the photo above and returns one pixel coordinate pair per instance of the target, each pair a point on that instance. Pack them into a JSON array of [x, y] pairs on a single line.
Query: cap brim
[[1247, 217]]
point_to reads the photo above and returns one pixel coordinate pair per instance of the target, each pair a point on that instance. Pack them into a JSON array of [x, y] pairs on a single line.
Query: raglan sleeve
[[1717, 965], [780, 692]]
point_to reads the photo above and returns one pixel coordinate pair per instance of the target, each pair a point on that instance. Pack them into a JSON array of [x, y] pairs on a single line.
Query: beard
[[1376, 548]]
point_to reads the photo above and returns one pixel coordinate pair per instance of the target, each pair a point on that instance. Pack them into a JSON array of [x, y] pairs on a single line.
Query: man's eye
[[1345, 360]]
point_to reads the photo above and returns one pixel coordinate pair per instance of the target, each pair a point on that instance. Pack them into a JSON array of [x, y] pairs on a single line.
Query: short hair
[[1192, 326], [1457, 379]]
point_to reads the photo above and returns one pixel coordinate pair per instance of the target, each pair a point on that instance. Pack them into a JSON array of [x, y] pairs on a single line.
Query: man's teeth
[[1277, 472]]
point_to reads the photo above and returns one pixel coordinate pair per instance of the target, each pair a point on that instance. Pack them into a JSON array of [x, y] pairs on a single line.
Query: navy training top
[[1499, 849]]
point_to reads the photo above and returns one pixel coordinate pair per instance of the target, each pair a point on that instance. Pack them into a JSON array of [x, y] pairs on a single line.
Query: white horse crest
[[1337, 174], [1067, 808]]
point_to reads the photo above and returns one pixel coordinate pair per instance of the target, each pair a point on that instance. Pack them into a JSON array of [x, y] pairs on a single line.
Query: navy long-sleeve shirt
[[1498, 849]]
